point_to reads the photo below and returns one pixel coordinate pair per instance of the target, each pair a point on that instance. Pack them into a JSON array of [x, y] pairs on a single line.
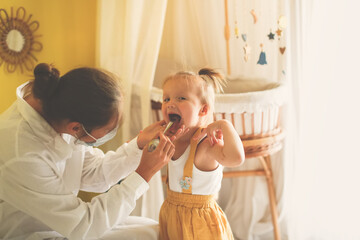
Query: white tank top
[[203, 182]]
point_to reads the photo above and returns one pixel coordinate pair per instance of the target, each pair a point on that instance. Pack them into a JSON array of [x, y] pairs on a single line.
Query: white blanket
[[135, 228]]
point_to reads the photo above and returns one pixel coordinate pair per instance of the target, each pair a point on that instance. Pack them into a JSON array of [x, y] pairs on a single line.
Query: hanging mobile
[[247, 50], [253, 14], [282, 50], [262, 57], [279, 33], [271, 35], [236, 30], [244, 37], [282, 22]]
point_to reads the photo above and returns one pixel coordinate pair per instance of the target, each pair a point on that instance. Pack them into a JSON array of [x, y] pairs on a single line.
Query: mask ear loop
[[78, 139], [88, 133]]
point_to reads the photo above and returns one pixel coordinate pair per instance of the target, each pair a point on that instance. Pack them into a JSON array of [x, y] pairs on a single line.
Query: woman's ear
[[204, 110], [73, 128]]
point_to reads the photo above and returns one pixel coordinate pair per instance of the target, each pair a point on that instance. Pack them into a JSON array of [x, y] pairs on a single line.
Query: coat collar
[[40, 127]]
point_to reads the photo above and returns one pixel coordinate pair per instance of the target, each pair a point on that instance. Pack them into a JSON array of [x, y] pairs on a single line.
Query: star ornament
[[271, 36]]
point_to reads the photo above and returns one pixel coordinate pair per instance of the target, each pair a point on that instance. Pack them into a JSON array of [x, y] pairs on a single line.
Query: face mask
[[98, 141]]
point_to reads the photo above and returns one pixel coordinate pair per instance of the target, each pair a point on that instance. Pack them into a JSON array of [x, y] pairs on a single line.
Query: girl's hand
[[152, 162], [225, 143], [213, 131]]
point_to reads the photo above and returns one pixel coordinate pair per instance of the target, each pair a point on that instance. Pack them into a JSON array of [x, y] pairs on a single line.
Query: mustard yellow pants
[[187, 217]]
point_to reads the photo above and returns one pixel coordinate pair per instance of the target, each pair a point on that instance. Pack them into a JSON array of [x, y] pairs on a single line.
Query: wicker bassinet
[[252, 105]]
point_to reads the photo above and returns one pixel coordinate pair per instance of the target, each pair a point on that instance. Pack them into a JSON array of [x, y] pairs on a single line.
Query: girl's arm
[[225, 144]]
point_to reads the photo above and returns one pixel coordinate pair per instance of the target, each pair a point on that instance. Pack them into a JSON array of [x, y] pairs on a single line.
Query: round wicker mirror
[[18, 42]]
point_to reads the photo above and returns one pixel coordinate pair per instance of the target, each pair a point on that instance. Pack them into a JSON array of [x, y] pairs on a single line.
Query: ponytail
[[210, 76]]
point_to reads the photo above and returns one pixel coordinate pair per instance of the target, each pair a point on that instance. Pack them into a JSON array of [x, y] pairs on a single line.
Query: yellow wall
[[68, 29]]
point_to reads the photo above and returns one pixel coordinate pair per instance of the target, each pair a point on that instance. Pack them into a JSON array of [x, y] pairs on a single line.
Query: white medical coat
[[42, 171]]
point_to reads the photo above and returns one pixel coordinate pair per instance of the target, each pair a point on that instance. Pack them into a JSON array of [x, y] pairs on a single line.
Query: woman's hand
[[181, 131], [149, 133], [151, 162]]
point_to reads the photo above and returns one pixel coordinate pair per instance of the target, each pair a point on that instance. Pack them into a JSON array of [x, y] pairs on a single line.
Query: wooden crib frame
[[262, 146]]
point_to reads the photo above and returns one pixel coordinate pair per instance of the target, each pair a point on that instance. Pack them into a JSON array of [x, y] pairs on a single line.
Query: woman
[[46, 156]]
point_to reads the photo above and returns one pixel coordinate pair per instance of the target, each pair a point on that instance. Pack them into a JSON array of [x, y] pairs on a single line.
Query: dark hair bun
[[46, 81]]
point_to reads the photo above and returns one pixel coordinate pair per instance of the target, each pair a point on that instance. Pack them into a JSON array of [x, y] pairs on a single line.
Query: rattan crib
[[252, 105]]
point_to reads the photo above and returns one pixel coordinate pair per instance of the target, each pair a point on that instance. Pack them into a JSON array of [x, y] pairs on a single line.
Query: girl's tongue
[[175, 118]]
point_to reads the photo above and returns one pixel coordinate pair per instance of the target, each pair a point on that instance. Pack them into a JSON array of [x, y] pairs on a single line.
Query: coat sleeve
[[31, 186], [101, 171]]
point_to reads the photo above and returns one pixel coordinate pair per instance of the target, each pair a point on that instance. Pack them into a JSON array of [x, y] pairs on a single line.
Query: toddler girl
[[195, 171]]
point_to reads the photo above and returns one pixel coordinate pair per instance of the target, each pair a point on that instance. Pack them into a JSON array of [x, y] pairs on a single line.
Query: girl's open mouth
[[175, 118]]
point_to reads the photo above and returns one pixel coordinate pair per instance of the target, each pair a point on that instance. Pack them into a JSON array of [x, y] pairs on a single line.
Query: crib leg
[[272, 199]]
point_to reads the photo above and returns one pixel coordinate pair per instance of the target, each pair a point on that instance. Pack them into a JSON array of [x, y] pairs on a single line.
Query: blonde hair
[[211, 82]]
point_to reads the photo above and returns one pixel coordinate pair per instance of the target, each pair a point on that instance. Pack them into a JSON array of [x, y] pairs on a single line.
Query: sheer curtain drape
[[325, 196], [129, 39], [193, 37]]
